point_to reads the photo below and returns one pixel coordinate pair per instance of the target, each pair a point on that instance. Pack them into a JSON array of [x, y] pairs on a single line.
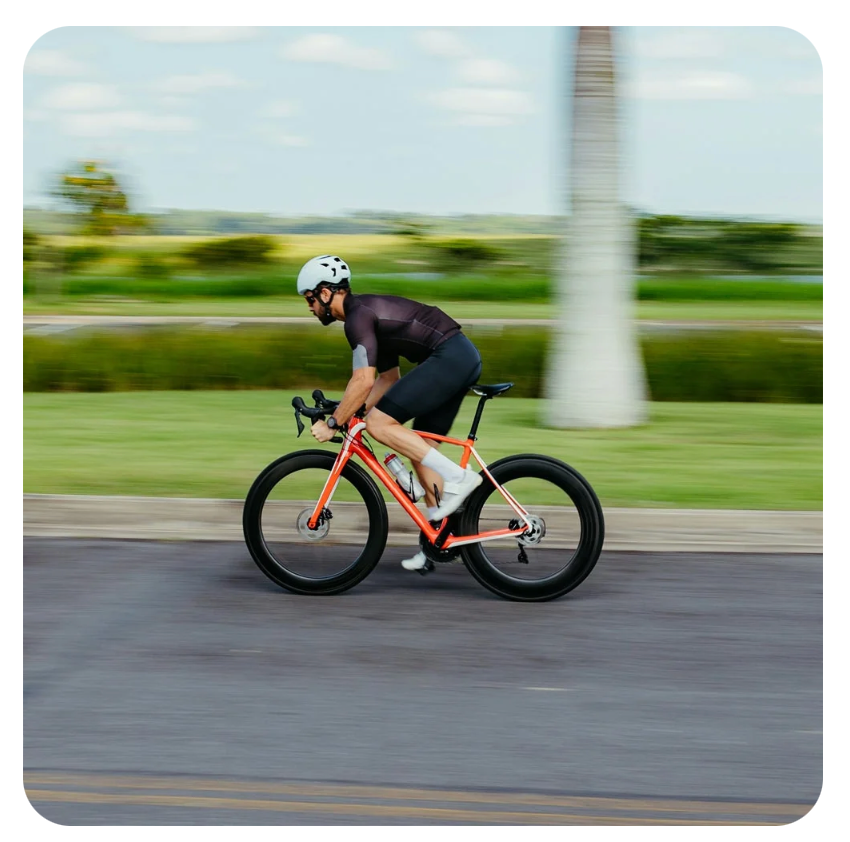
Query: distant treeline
[[726, 245], [664, 243], [211, 223]]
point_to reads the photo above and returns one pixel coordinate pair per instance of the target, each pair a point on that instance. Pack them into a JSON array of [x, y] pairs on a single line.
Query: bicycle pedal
[[429, 566]]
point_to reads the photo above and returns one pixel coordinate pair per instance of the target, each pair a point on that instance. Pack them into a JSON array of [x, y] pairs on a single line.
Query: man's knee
[[377, 422]]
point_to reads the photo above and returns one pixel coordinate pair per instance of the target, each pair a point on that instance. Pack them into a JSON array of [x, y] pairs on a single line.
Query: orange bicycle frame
[[353, 445]]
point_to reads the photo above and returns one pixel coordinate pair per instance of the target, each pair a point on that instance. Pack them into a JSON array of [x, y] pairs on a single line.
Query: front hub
[[302, 524]]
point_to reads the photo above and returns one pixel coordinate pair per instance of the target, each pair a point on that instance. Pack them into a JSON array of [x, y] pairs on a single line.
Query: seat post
[[477, 419]]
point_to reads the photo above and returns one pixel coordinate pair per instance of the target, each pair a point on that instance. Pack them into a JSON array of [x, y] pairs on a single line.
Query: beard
[[326, 318]]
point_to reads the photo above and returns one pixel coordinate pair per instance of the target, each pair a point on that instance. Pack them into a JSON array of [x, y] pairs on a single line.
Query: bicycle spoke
[[329, 550], [558, 525]]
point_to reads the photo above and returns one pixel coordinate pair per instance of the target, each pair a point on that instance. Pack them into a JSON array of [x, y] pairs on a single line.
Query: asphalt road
[[170, 683]]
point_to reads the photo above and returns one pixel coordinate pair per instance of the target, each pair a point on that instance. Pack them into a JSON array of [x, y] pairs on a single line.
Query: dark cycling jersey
[[381, 328]]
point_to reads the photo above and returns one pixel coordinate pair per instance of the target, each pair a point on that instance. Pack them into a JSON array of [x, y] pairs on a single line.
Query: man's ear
[[324, 298]]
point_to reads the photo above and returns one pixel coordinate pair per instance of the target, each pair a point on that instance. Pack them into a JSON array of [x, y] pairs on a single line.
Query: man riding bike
[[380, 329]]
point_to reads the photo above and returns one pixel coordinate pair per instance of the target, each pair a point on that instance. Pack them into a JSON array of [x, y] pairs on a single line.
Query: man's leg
[[390, 432], [438, 421], [431, 394], [429, 478]]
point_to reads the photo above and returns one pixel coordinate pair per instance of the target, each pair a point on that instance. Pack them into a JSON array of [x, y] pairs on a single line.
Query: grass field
[[213, 444]]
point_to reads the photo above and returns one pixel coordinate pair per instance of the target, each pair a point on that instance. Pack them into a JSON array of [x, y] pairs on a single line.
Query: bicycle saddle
[[491, 391]]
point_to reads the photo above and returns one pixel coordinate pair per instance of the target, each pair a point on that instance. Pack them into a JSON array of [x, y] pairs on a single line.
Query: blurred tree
[[595, 374], [756, 246], [411, 229], [681, 243], [94, 192], [31, 241], [233, 251], [461, 255]]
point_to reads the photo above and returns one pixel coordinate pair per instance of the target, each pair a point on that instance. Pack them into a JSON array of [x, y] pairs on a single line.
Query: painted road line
[[506, 807]]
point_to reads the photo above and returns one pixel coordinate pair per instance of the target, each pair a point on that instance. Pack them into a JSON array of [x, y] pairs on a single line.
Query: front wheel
[[348, 542], [554, 557]]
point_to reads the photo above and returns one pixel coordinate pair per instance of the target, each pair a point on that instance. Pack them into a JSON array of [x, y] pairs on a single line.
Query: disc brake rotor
[[534, 535], [321, 530]]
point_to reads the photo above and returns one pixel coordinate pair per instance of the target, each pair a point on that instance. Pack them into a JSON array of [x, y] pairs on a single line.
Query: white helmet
[[325, 269]]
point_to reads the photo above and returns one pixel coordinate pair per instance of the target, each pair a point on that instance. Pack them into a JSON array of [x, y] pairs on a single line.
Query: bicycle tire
[[583, 557], [252, 524]]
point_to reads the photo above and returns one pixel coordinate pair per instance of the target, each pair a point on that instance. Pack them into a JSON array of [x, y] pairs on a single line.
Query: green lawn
[[287, 306], [213, 444]]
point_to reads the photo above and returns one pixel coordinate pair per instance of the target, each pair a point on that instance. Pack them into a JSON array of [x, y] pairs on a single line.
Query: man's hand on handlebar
[[321, 432]]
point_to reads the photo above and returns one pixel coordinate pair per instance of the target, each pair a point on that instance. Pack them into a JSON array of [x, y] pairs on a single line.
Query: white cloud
[[279, 108], [283, 139], [170, 101], [680, 43], [334, 49], [35, 115], [485, 120], [192, 83], [485, 97], [443, 43], [806, 87], [485, 71], [274, 135], [195, 34], [706, 84], [108, 123], [53, 63], [485, 106], [774, 42], [82, 96]]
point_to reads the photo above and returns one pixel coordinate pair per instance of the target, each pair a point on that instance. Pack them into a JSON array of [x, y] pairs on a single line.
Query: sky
[[716, 121]]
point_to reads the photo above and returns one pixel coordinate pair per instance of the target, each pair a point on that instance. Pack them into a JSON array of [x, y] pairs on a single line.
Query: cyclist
[[380, 329]]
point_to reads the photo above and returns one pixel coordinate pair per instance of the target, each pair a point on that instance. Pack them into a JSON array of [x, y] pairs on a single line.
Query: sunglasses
[[310, 299]]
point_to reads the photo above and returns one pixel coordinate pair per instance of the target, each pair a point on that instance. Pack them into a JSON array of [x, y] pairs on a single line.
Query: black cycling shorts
[[433, 392]]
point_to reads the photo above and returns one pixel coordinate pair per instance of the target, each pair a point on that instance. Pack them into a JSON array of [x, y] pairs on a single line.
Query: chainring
[[437, 555]]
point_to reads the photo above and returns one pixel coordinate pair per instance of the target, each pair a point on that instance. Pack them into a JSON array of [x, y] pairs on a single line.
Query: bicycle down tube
[[353, 445]]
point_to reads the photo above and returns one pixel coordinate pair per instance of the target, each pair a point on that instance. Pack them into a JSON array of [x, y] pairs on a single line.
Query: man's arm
[[358, 389], [382, 384]]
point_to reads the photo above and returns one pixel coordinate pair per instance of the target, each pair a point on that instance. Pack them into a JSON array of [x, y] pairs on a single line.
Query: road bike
[[315, 521]]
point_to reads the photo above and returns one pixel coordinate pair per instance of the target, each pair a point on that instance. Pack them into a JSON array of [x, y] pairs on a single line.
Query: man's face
[[312, 303], [316, 307]]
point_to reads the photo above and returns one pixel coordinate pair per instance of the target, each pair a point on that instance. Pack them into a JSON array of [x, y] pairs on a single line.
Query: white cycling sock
[[442, 465], [432, 510]]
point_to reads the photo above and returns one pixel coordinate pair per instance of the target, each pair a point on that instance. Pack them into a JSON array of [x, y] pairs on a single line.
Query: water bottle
[[404, 478]]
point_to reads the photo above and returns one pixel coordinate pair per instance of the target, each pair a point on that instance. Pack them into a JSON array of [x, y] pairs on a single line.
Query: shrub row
[[153, 279], [231, 251], [754, 366]]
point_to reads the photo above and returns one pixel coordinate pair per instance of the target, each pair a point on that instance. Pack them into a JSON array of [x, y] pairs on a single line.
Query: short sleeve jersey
[[382, 328]]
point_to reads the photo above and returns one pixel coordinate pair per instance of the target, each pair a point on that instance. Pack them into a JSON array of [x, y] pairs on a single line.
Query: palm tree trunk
[[595, 376]]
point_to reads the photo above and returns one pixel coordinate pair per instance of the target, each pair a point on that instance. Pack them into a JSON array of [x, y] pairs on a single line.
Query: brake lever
[[299, 424]]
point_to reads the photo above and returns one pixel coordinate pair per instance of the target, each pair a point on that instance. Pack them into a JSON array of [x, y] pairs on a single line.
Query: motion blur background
[[176, 178], [188, 172]]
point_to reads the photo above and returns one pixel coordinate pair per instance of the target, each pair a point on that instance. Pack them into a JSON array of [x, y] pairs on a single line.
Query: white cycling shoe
[[416, 563], [454, 494]]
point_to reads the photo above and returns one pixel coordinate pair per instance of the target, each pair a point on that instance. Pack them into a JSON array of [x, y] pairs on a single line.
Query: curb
[[195, 519]]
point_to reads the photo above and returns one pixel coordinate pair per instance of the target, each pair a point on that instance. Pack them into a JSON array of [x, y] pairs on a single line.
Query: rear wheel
[[562, 547], [345, 547]]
